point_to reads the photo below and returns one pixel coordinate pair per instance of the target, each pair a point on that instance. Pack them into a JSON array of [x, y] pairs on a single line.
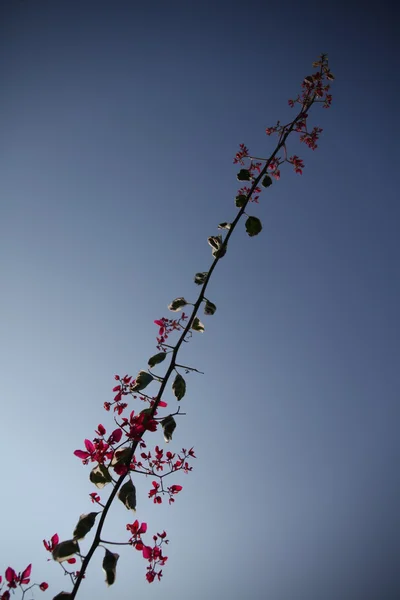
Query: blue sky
[[119, 123]]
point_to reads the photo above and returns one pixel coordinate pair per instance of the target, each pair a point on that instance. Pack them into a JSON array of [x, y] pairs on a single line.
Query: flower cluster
[[125, 387], [138, 424], [159, 489], [13, 580], [156, 462], [297, 163], [241, 154], [246, 190], [152, 554], [155, 557], [99, 450], [167, 326]]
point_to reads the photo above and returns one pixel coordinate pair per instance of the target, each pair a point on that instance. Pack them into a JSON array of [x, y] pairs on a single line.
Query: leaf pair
[[66, 550]]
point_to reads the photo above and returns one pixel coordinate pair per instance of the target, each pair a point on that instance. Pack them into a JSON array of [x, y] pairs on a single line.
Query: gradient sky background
[[119, 122]]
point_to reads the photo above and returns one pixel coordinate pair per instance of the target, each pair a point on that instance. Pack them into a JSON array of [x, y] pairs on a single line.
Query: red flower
[[101, 430], [147, 552], [24, 578], [243, 153], [11, 577], [137, 530], [96, 452], [115, 437], [161, 324], [52, 544], [43, 586], [154, 492], [297, 163], [150, 575]]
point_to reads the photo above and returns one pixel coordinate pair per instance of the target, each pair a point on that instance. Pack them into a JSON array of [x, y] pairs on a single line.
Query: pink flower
[[52, 544]]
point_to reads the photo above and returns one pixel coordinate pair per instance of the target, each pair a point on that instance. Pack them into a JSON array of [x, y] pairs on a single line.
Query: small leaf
[[197, 325], [253, 226], [62, 596], [244, 175], [127, 495], [209, 308], [110, 566], [65, 550], [179, 387], [121, 457], [200, 278], [224, 225], [156, 359], [142, 380], [145, 411], [84, 525], [267, 181], [168, 424], [177, 304], [215, 241], [100, 476], [240, 200], [219, 253]]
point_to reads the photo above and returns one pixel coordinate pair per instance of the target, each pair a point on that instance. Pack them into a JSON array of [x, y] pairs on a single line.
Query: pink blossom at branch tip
[[115, 437], [174, 489], [147, 552], [101, 430], [161, 324], [297, 163], [11, 578], [52, 543], [243, 153], [25, 576]]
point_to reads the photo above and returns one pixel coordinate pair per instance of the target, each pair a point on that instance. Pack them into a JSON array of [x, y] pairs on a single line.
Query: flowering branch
[[112, 454]]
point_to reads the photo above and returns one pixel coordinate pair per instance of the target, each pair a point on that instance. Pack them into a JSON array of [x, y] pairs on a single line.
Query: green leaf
[[110, 566], [219, 253], [127, 495], [215, 241], [168, 424], [142, 380], [179, 387], [200, 278], [209, 308], [253, 226], [84, 525], [224, 225], [121, 457], [145, 411], [240, 200], [244, 175], [65, 550], [100, 476], [177, 304], [197, 325], [156, 359], [267, 181]]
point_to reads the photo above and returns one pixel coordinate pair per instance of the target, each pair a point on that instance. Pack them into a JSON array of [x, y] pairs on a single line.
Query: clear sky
[[119, 122]]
